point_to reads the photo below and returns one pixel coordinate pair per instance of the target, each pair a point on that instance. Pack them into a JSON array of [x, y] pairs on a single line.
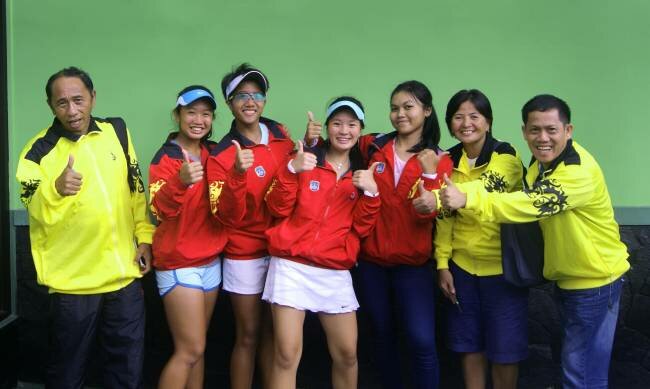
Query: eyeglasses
[[244, 96]]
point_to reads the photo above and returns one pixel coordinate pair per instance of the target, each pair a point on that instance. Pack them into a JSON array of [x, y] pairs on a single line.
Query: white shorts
[[206, 277], [245, 276], [309, 288]]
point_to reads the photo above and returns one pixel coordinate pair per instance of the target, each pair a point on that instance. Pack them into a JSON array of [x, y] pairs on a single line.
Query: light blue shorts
[[206, 278]]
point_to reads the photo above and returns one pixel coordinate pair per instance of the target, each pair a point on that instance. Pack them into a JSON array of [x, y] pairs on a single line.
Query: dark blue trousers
[[409, 289], [116, 319]]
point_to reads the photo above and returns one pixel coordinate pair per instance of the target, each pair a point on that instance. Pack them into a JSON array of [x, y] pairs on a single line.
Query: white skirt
[[309, 288]]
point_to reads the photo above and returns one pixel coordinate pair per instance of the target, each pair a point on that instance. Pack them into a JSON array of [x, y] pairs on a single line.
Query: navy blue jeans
[[116, 318], [410, 291], [589, 321]]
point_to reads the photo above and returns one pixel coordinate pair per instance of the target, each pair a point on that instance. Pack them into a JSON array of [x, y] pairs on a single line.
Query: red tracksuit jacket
[[323, 219], [187, 234], [401, 235], [237, 200]]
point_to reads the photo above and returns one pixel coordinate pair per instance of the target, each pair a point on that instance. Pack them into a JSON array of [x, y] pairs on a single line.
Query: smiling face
[[72, 103], [343, 130], [244, 107], [469, 126], [546, 135], [407, 113], [195, 120]]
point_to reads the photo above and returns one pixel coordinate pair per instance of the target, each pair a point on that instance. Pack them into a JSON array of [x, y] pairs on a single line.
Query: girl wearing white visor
[[328, 201]]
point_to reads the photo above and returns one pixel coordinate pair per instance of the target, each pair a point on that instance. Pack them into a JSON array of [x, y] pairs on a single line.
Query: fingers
[[70, 161], [374, 166], [310, 116], [448, 180], [421, 188], [237, 145], [300, 147], [186, 155]]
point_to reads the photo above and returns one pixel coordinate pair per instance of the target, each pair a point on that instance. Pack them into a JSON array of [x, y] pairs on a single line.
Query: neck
[[405, 142], [191, 145], [250, 131], [473, 150], [337, 158]]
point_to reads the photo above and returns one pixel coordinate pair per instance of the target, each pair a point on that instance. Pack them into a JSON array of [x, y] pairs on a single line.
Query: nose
[[543, 136], [466, 122], [72, 108]]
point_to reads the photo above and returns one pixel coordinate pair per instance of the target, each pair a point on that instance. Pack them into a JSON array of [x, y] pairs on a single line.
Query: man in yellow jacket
[[583, 251], [90, 235]]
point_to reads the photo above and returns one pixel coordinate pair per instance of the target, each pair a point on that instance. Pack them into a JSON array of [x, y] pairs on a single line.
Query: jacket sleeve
[[443, 241], [366, 212], [281, 196], [166, 189], [143, 227], [38, 193], [445, 166], [568, 187]]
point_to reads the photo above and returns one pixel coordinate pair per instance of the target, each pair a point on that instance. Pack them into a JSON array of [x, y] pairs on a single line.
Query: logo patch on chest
[[259, 171], [314, 185], [380, 167], [353, 195]]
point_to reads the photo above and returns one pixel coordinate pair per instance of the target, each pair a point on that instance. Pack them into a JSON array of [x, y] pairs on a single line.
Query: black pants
[[116, 319]]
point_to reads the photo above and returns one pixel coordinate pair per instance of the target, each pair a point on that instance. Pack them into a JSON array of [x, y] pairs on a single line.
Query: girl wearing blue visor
[[188, 241], [327, 202], [240, 171]]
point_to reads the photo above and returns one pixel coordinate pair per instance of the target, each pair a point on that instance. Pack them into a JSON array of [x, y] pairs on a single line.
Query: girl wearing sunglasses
[[188, 241], [240, 171]]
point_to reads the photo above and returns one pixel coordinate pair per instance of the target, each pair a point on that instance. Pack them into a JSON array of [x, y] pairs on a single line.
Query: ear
[[175, 116], [427, 111], [93, 95], [569, 130], [51, 107]]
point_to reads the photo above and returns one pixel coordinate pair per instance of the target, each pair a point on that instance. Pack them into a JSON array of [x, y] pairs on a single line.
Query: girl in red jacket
[[188, 241], [240, 170], [394, 272], [327, 204]]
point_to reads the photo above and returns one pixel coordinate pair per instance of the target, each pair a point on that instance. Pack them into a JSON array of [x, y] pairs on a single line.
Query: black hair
[[239, 70], [543, 103], [71, 71], [356, 158], [431, 128], [177, 110], [474, 96]]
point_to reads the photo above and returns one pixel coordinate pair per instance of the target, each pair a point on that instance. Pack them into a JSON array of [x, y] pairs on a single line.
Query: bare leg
[[341, 332], [247, 310], [287, 335], [474, 368], [504, 376], [195, 380]]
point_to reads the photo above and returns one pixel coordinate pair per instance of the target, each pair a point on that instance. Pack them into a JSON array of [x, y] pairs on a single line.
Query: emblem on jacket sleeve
[[314, 185], [380, 167], [549, 197], [28, 189], [259, 171], [493, 181]]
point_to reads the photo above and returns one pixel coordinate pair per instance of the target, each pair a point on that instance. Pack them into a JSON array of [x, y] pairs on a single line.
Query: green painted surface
[[594, 54]]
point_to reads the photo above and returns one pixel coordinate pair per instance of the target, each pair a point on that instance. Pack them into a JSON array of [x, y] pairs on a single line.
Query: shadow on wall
[[630, 366]]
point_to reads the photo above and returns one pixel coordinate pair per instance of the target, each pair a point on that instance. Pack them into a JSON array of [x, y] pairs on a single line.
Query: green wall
[[594, 54]]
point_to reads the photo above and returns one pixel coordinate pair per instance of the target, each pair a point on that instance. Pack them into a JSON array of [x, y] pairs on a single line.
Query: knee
[[345, 357], [191, 353], [287, 356], [248, 337]]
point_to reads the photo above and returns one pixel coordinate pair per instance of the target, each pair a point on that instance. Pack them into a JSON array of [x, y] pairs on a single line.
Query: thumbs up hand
[[314, 129], [429, 160], [190, 172], [426, 202], [69, 181], [303, 161], [365, 179], [244, 158], [451, 197]]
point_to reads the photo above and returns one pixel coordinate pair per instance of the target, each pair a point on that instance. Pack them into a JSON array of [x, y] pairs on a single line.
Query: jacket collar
[[456, 152], [58, 129], [272, 125], [569, 156]]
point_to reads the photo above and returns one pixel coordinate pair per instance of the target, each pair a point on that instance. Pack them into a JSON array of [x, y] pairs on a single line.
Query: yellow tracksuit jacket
[[582, 245], [475, 245], [86, 243]]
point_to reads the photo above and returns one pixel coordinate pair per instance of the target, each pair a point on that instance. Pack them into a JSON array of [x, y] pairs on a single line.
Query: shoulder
[[169, 149]]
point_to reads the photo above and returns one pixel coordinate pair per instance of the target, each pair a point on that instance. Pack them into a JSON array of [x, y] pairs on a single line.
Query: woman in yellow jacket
[[487, 317]]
